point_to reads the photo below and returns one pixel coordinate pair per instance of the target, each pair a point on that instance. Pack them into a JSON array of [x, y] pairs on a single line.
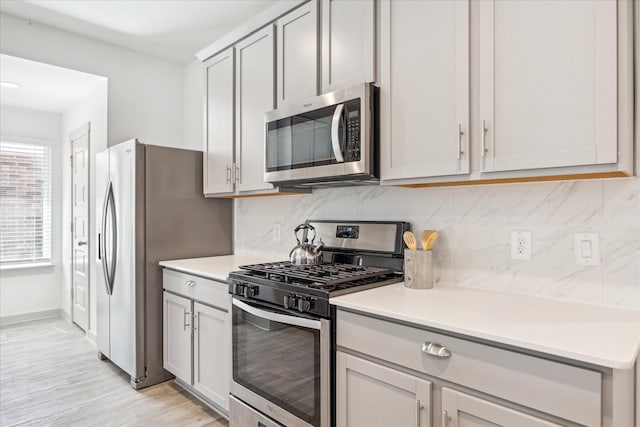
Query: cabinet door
[[211, 354], [348, 43], [372, 395], [218, 150], [255, 95], [176, 331], [297, 65], [462, 410], [424, 88], [547, 94]]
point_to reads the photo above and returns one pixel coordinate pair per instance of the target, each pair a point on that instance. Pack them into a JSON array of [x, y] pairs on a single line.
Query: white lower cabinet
[[395, 374], [210, 376], [176, 344], [371, 395], [196, 335], [463, 410]]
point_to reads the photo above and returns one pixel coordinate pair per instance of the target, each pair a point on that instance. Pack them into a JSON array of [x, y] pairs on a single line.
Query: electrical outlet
[[275, 232], [521, 245]]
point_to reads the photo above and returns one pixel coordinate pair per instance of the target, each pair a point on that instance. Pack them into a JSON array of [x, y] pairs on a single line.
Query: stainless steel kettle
[[305, 252]]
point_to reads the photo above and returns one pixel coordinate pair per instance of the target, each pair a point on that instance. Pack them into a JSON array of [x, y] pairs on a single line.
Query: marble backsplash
[[475, 224]]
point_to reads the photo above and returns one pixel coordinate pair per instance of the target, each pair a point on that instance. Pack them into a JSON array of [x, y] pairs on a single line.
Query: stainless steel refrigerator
[[150, 208]]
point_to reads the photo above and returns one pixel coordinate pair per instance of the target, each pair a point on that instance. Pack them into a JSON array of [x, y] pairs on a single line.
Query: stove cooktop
[[306, 288], [321, 276]]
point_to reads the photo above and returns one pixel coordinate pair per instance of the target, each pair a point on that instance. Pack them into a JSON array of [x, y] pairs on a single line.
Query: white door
[[176, 343], [548, 95], [462, 410], [218, 151], [211, 353], [297, 65], [372, 395], [348, 43], [424, 88], [255, 95], [80, 226]]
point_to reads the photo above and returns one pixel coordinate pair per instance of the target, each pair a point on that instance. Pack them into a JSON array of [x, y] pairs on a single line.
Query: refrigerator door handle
[[114, 239], [102, 248]]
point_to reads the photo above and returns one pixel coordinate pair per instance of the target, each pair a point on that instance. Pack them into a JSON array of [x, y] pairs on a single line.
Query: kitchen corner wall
[[475, 224]]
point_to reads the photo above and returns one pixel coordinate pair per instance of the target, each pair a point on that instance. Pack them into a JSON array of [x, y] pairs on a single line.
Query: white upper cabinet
[[255, 95], [297, 53], [218, 150], [548, 83], [424, 88], [348, 43]]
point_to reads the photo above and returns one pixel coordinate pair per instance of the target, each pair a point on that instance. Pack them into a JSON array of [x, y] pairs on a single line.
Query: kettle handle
[[303, 227]]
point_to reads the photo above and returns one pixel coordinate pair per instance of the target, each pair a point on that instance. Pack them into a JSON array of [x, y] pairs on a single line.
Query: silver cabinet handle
[[484, 139], [460, 134], [190, 283], [237, 174], [445, 419], [335, 135], [228, 174], [195, 322], [419, 407], [186, 320], [435, 349], [82, 243]]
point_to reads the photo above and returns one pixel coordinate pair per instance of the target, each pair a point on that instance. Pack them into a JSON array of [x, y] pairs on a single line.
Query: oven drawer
[[556, 388], [242, 415], [198, 288]]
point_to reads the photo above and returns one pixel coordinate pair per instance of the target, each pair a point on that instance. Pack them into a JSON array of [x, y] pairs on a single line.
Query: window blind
[[25, 203]]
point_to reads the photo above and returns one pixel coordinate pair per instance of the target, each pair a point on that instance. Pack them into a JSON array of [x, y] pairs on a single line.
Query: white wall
[[92, 109], [475, 223], [145, 93], [31, 290], [193, 105]]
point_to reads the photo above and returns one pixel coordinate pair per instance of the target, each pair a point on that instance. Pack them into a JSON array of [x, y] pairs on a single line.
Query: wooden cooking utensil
[[425, 238], [432, 240], [410, 240]]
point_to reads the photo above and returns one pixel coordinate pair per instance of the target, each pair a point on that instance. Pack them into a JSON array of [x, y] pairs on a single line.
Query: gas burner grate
[[320, 276]]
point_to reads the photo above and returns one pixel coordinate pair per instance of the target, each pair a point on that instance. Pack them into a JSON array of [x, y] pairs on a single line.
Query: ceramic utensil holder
[[418, 269]]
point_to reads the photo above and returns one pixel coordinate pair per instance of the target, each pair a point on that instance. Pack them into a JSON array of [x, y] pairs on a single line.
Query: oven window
[[280, 362]]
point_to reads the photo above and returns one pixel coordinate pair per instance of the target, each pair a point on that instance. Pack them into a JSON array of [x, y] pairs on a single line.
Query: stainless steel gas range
[[284, 328]]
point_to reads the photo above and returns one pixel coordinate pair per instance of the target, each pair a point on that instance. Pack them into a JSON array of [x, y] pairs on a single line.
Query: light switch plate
[[586, 247]]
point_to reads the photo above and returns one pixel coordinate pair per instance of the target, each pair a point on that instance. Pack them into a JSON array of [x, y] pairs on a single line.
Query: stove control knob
[[288, 301], [304, 305], [249, 291], [236, 288]]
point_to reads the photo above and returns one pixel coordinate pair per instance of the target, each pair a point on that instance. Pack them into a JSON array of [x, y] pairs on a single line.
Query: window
[[25, 203]]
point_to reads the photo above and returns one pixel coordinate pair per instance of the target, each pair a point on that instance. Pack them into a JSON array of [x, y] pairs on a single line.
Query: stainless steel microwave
[[327, 141]]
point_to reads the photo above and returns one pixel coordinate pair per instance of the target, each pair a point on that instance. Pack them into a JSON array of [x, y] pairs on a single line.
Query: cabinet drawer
[[205, 290], [556, 388]]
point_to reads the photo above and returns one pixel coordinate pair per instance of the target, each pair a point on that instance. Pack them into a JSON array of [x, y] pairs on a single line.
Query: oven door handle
[[277, 317]]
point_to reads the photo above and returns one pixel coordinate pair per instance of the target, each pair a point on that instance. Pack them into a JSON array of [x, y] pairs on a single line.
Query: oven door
[[281, 364]]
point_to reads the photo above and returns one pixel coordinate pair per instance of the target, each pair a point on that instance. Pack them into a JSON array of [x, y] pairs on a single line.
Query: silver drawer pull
[[435, 349], [190, 283]]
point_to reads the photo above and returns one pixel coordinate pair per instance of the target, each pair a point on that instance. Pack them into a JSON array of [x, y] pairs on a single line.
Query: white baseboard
[[65, 315], [28, 317], [91, 336]]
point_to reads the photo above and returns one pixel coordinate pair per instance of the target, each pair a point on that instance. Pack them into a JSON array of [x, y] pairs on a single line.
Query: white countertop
[[600, 335], [214, 267]]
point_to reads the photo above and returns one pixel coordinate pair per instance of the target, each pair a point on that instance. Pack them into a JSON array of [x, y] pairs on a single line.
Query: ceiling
[[44, 87], [170, 29]]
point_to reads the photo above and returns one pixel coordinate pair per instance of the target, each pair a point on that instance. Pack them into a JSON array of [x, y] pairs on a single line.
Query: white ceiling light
[[11, 85]]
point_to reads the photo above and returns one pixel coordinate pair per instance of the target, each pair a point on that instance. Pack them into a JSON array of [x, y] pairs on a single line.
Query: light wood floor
[[50, 375]]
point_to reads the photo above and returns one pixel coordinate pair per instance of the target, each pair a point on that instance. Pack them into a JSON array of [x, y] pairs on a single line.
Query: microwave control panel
[[352, 140]]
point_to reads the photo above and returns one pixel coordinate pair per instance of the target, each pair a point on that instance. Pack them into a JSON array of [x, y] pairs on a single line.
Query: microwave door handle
[[335, 133]]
